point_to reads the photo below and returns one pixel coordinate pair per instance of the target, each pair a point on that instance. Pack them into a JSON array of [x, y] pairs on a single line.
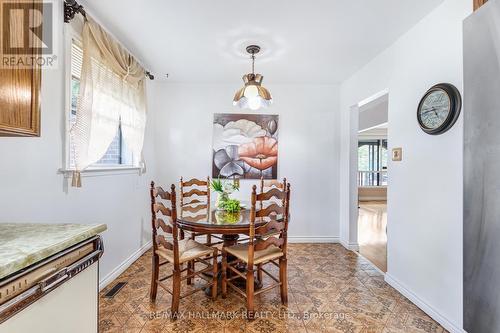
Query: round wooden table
[[200, 218]]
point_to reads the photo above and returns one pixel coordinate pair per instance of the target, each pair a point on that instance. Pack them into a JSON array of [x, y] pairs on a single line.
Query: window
[[372, 162], [117, 153]]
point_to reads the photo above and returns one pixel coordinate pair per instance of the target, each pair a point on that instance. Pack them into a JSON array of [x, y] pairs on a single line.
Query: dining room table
[[202, 218]]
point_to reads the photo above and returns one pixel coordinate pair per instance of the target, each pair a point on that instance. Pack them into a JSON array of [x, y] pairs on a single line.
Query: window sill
[[103, 171]]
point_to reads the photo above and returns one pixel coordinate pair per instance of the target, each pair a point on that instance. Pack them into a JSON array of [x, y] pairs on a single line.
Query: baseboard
[[350, 246], [424, 306], [313, 239], [124, 265]]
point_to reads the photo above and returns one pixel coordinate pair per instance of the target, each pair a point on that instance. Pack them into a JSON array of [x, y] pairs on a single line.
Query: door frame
[[352, 224]]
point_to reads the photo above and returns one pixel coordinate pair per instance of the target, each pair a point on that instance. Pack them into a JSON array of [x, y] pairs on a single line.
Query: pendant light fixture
[[253, 95]]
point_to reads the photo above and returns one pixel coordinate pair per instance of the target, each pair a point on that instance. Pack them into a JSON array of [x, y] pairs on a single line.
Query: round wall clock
[[439, 109]]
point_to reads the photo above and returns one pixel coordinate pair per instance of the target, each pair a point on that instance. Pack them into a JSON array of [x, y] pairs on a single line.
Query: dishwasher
[[58, 294]]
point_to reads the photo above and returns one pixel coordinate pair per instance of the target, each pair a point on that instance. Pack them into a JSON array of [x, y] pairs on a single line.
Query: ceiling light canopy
[[253, 95]]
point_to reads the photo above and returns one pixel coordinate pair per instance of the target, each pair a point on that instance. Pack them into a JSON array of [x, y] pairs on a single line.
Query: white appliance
[[56, 295]]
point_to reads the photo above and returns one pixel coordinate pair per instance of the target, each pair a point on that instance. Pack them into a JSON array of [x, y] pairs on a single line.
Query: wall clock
[[439, 109]]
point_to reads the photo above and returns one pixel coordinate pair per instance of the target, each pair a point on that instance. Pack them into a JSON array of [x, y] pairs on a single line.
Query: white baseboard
[[124, 265], [423, 305], [350, 246], [313, 239]]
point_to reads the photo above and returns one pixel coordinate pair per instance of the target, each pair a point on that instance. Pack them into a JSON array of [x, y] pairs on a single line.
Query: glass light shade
[[253, 95], [254, 103], [251, 91]]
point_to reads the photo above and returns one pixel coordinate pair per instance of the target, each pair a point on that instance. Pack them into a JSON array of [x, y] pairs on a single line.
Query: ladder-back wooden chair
[[168, 246], [265, 186], [196, 193], [260, 252], [269, 184]]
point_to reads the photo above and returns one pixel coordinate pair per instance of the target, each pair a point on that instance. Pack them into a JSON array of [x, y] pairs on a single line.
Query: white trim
[[68, 34], [373, 98], [313, 239], [124, 265], [374, 127], [104, 171], [423, 305], [350, 246]]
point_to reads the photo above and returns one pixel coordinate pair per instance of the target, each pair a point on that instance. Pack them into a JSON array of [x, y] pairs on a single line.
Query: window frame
[[376, 146], [71, 34]]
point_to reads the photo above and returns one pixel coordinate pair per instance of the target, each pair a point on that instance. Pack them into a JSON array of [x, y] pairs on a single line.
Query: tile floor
[[330, 290]]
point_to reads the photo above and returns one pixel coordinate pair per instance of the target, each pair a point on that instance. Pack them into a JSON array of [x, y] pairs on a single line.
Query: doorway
[[372, 180]]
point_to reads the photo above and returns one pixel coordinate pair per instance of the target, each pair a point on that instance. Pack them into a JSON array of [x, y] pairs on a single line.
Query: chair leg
[[215, 277], [209, 239], [250, 291], [224, 273], [259, 273], [284, 281], [190, 271], [176, 293], [154, 277]]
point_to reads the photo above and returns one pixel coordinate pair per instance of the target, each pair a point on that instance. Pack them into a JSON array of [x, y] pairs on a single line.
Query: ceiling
[[303, 41]]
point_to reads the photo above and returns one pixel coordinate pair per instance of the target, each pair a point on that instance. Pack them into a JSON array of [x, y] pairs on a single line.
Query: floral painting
[[245, 146]]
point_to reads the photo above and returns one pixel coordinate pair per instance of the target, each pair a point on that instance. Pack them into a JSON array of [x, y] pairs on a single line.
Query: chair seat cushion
[[240, 251], [188, 250]]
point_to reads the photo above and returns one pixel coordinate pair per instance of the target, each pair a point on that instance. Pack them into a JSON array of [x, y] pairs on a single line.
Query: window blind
[[76, 59]]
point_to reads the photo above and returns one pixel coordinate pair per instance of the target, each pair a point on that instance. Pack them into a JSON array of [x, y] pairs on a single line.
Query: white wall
[[31, 190], [374, 114], [425, 192], [308, 145]]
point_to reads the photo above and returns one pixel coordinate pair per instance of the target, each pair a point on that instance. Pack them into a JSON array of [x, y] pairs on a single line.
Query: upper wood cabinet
[[19, 85], [479, 3]]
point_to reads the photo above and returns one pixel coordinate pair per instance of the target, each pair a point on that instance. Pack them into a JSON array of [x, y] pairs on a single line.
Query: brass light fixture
[[253, 95]]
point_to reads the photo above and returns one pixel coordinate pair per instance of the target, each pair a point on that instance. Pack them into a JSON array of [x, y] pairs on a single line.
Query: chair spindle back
[[278, 215], [167, 223], [195, 189]]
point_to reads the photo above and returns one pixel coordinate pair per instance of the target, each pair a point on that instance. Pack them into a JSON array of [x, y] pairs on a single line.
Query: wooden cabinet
[[19, 85], [478, 3]]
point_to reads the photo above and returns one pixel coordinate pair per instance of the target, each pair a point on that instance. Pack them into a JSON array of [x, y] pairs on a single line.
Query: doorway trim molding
[[349, 226]]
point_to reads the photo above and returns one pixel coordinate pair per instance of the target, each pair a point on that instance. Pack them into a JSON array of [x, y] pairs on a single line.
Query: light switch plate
[[397, 154]]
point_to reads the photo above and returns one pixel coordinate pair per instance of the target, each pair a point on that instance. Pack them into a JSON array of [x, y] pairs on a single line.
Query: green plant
[[217, 186], [231, 205]]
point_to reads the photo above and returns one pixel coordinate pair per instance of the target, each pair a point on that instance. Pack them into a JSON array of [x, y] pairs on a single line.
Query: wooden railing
[[372, 178]]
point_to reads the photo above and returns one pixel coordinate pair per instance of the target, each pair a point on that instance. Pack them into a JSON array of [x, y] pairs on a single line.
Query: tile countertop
[[23, 244]]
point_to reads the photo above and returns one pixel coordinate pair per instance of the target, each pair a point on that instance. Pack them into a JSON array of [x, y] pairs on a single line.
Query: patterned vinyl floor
[[330, 290]]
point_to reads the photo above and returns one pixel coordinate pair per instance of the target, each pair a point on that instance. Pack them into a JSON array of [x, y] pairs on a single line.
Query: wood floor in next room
[[330, 290], [372, 235]]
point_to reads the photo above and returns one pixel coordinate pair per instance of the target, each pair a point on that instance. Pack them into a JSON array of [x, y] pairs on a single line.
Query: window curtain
[[112, 90]]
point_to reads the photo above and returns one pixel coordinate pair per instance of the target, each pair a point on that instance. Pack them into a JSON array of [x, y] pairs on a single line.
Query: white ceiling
[[303, 41]]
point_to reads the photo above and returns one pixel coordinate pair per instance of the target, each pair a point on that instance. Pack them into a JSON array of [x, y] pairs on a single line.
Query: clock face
[[435, 109]]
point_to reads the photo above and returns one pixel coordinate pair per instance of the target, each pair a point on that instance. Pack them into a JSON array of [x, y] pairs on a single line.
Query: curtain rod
[[71, 7]]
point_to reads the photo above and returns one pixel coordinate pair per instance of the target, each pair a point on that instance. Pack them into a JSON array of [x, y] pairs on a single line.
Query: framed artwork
[[245, 146]]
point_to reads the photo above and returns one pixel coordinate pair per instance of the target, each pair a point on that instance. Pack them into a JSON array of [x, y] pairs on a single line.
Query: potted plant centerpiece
[[224, 189]]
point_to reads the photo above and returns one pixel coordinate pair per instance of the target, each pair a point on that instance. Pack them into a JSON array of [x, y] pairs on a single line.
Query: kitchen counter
[[23, 244]]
